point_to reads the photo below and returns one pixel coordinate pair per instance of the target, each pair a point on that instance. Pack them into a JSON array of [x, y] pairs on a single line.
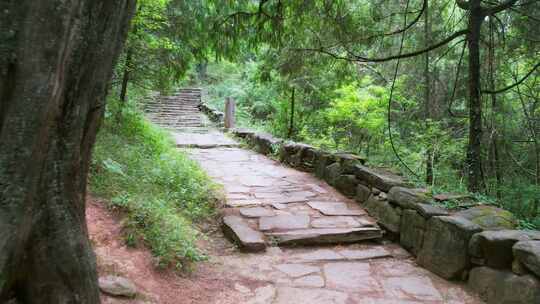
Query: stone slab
[[335, 208], [362, 193], [441, 197], [502, 287], [412, 288], [269, 195], [338, 222], [494, 248], [407, 198], [490, 217], [365, 254], [244, 203], [244, 236], [315, 281], [528, 254], [428, 210], [445, 247], [388, 216], [318, 189], [318, 255], [256, 212], [278, 206], [346, 184], [289, 200], [284, 222], [290, 295], [412, 231], [325, 236], [297, 270], [378, 178], [350, 276]]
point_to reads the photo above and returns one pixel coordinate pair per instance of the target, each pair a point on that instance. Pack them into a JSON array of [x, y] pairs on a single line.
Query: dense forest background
[[445, 92]]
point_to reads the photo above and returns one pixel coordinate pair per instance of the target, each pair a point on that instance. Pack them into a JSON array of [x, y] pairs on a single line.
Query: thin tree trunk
[[427, 97], [291, 121], [474, 151], [125, 82], [535, 210], [125, 77], [495, 108], [52, 91]]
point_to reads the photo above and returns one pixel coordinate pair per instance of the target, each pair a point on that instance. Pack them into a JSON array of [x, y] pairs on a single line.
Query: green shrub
[[163, 193]]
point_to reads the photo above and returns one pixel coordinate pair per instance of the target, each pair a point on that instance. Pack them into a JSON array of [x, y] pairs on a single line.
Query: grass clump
[[163, 193]]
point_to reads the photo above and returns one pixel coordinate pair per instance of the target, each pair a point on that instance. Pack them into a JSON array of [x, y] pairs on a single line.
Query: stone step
[[176, 117], [169, 110], [187, 97], [175, 123], [179, 122], [172, 107], [247, 238], [161, 114], [188, 92], [188, 103], [184, 97], [178, 125], [292, 230], [325, 236], [179, 112], [189, 114]]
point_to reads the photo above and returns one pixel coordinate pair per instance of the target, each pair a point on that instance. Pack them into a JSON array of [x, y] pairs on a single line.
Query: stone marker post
[[230, 109]]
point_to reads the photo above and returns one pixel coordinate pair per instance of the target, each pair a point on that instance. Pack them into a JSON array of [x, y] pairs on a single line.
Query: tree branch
[[514, 84], [415, 53], [501, 7]]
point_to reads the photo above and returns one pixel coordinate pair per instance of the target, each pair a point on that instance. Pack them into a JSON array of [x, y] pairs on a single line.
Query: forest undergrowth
[[164, 194]]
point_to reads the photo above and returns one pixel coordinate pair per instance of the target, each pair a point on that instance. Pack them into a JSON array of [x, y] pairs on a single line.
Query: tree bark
[[427, 97], [291, 121], [56, 59], [474, 151], [496, 162], [125, 76]]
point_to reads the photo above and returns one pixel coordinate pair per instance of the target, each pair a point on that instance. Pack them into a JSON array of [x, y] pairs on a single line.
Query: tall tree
[[56, 59], [477, 14]]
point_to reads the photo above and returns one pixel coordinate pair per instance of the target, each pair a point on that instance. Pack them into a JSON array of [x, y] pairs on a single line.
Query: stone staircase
[[179, 112]]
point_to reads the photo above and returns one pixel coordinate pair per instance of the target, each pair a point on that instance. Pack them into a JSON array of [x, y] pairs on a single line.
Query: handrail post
[[230, 109]]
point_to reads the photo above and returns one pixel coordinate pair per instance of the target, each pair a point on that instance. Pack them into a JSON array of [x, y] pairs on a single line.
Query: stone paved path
[[278, 206]]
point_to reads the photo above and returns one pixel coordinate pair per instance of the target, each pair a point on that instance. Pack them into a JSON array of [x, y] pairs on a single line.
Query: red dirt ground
[[206, 284]]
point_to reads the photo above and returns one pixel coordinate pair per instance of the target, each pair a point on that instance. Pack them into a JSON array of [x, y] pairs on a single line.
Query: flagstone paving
[[367, 272], [270, 207]]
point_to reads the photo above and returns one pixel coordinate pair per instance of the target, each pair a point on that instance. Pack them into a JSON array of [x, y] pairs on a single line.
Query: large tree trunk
[[474, 152], [56, 59]]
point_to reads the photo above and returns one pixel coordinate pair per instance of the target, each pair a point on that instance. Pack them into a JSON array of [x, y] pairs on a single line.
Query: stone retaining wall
[[213, 114], [479, 245]]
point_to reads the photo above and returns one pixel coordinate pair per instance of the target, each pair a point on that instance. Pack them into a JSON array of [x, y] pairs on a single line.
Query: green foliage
[[263, 50], [138, 169], [358, 116]]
